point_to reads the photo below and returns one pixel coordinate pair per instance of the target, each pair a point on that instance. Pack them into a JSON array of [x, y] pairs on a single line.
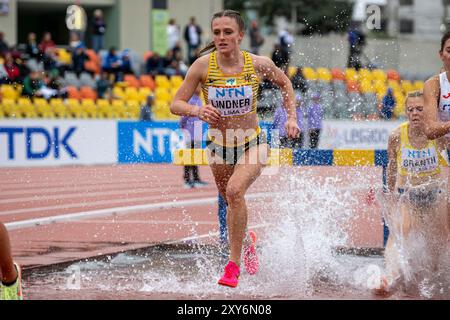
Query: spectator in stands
[[146, 109], [3, 44], [193, 138], [299, 81], [192, 35], [98, 31], [53, 81], [48, 51], [32, 48], [281, 58], [103, 84], [279, 122], [75, 41], [286, 40], [357, 41], [173, 34], [112, 64], [12, 69], [315, 119], [256, 39], [47, 45], [79, 57], [3, 75], [126, 66], [154, 64], [388, 104], [32, 84]]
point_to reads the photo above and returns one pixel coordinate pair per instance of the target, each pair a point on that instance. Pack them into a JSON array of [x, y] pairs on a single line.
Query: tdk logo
[[39, 142]]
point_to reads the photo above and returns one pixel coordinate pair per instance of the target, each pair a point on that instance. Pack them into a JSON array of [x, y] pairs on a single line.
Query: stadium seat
[[131, 93], [162, 81], [352, 86], [7, 104], [43, 109], [324, 74], [118, 109], [64, 56], [71, 79], [94, 63], [88, 93], [75, 109], [351, 74], [147, 82], [163, 94], [144, 92], [9, 92], [418, 85], [131, 80], [73, 93], [89, 107], [379, 75], [309, 73], [337, 74], [86, 80], [393, 75], [176, 81], [118, 92], [58, 107], [133, 109], [104, 109], [12, 110], [365, 75]]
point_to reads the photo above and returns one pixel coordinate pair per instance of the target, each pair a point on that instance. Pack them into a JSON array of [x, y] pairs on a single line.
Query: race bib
[[418, 161], [232, 101]]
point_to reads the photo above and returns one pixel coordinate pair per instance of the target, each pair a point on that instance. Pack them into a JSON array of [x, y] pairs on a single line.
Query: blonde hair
[[210, 47], [413, 94]]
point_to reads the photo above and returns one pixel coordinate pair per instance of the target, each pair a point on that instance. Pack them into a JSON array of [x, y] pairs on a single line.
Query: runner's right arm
[[433, 128], [180, 105]]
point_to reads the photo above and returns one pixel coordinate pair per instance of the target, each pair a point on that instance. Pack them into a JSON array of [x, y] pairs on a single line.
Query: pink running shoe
[[231, 275], [251, 261]]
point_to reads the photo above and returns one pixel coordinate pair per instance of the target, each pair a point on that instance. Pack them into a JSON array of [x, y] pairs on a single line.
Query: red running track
[[63, 214]]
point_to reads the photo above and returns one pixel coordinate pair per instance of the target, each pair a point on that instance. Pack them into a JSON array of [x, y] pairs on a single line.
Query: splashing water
[[420, 252]]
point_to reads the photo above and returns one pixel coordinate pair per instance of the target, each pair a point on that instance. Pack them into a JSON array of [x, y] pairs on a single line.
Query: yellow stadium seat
[[75, 109], [176, 81], [118, 109], [143, 93], [133, 109], [365, 75], [118, 92], [351, 74], [291, 71], [418, 85], [89, 107], [379, 74], [407, 86], [2, 114], [59, 108], [64, 56], [104, 108], [8, 104], [162, 81], [43, 109], [15, 111], [366, 86], [309, 73], [163, 94], [9, 92], [131, 93], [324, 74]]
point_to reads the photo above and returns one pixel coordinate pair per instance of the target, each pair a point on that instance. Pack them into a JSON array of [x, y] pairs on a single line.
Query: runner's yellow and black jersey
[[418, 162], [233, 95]]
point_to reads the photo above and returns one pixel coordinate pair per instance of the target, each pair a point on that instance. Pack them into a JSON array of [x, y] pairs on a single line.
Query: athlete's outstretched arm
[[267, 69], [433, 128], [394, 140]]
